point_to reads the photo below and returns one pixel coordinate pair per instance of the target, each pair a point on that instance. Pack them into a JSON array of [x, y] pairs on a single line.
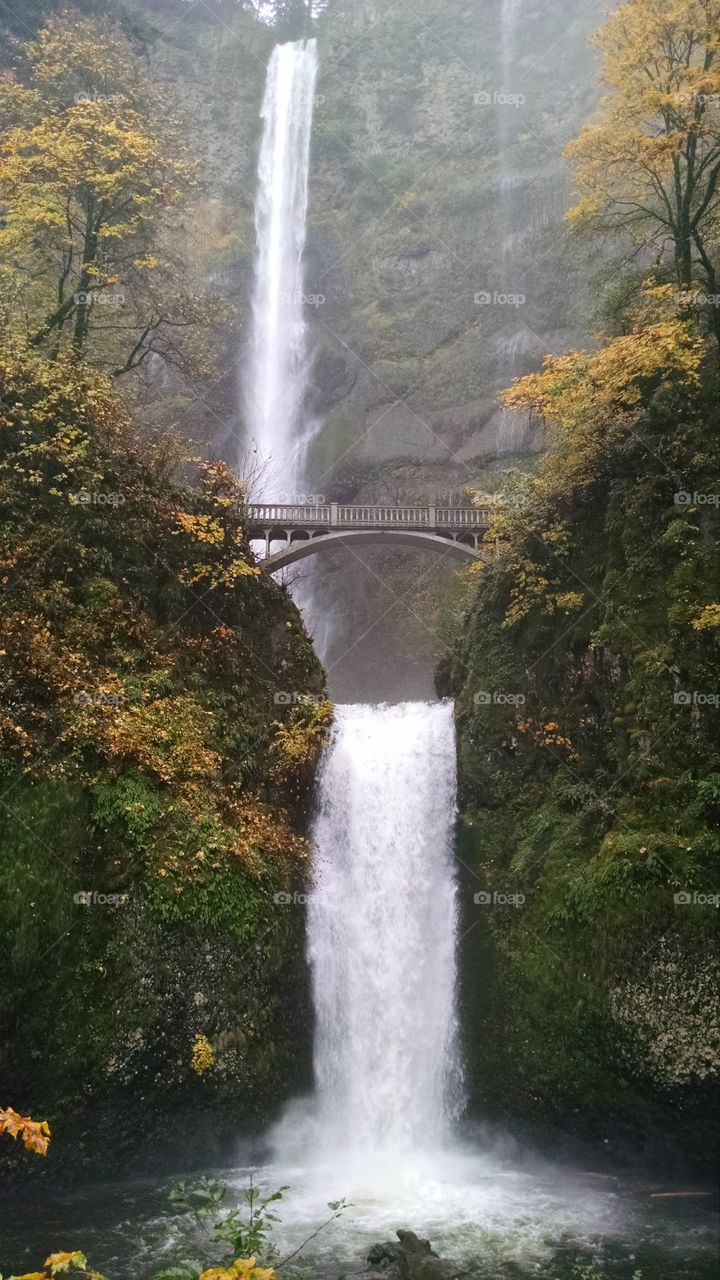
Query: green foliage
[[211, 1233], [247, 1232], [596, 797]]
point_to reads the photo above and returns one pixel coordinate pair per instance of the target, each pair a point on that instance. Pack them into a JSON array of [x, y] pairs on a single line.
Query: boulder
[[412, 1259]]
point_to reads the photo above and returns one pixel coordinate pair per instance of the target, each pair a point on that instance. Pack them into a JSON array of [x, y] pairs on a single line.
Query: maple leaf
[[34, 1134]]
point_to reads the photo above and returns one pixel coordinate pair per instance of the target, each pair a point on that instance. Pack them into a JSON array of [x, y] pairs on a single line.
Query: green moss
[[596, 798]]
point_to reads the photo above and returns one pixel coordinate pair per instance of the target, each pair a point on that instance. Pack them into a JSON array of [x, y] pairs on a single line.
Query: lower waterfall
[[382, 930], [382, 940]]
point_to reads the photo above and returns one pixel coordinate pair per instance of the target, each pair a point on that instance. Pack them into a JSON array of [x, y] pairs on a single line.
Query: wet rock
[[384, 1255], [334, 376], [412, 1259]]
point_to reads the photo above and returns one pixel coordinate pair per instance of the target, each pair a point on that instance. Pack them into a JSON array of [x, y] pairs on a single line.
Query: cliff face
[[583, 671], [440, 268], [439, 260]]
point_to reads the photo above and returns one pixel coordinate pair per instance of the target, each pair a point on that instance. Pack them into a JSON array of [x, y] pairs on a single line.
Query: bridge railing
[[402, 517], [463, 517], [280, 513], [341, 516]]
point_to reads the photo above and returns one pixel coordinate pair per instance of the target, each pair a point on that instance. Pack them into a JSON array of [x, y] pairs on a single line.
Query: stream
[[508, 1217]]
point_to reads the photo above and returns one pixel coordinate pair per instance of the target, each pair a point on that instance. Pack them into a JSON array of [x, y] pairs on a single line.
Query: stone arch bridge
[[455, 532]]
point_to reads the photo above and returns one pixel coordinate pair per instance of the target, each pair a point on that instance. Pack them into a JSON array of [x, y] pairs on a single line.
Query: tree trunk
[[82, 313]]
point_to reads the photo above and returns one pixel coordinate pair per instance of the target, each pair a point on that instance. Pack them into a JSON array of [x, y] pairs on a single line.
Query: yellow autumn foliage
[[92, 167], [591, 401], [203, 1058], [708, 618], [648, 164], [34, 1134], [61, 1264], [240, 1269], [299, 739]]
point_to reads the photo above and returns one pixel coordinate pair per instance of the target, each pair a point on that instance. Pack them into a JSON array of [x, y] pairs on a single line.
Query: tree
[[593, 406], [94, 176], [649, 164]]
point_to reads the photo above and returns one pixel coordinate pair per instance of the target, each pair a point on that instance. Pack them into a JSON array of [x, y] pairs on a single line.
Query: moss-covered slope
[[585, 669], [161, 713]]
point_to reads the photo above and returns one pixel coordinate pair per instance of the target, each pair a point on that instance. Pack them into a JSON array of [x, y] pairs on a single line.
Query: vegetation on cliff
[[151, 784], [585, 669]]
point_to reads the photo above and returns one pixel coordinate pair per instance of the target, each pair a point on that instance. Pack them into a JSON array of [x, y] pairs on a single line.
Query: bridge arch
[[302, 547]]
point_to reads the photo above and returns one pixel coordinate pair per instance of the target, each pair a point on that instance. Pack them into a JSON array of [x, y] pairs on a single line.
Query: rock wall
[[439, 269]]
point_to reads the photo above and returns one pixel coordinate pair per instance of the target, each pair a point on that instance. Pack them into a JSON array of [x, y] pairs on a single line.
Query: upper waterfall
[[276, 377], [382, 925]]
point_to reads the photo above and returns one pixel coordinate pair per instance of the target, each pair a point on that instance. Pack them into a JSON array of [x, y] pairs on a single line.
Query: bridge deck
[[333, 515]]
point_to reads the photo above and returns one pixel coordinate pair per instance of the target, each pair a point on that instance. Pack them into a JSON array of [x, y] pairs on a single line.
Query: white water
[[382, 921], [276, 377], [510, 125], [382, 926]]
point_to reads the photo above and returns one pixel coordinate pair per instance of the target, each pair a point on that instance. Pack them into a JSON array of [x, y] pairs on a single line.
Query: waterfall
[[510, 362], [382, 930], [276, 377], [510, 17]]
